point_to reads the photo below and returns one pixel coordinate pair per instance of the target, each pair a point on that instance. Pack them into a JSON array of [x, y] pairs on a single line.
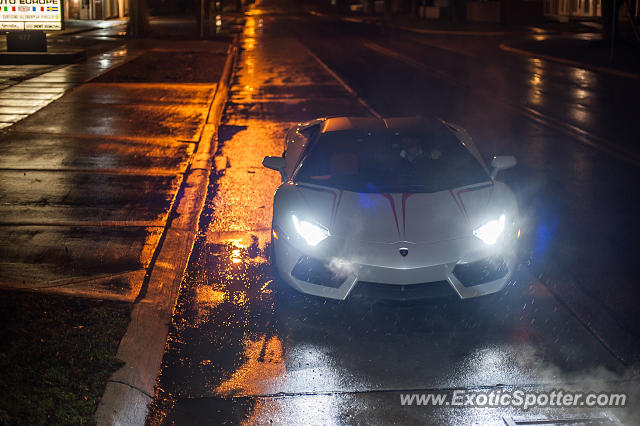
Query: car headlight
[[312, 233], [490, 231]]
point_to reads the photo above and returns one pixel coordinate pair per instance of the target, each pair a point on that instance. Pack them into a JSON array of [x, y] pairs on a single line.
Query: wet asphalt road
[[240, 351]]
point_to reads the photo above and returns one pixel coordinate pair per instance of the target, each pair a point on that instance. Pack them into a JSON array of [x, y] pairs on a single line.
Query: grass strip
[[56, 354]]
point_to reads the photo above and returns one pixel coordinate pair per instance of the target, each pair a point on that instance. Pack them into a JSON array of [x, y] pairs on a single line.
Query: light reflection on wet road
[[241, 352]]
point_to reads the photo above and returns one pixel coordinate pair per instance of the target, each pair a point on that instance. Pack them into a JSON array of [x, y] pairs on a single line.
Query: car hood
[[394, 217]]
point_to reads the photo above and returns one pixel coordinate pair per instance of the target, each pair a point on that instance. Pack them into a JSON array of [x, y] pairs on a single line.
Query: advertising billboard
[[19, 15]]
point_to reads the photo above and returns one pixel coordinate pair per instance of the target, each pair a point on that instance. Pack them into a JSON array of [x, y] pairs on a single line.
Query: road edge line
[[580, 135], [594, 315], [570, 62], [343, 83], [129, 391], [453, 32]]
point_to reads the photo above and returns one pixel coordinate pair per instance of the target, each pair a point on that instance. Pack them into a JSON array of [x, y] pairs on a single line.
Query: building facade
[[95, 9], [565, 10], [522, 11]]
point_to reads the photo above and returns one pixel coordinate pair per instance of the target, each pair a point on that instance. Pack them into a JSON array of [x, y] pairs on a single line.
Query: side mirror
[[502, 162], [275, 163]]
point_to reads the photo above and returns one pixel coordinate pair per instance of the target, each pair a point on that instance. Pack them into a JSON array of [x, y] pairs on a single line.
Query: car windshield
[[390, 161]]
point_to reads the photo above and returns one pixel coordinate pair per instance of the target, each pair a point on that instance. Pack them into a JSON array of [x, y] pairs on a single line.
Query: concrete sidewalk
[[92, 157], [89, 180], [104, 165]]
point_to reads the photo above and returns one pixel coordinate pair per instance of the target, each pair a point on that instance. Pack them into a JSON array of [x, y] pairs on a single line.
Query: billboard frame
[[24, 23]]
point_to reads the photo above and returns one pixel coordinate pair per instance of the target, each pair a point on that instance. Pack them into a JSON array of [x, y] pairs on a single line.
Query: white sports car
[[399, 208]]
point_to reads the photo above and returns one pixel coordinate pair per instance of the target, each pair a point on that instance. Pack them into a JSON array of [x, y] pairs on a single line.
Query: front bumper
[[465, 267]]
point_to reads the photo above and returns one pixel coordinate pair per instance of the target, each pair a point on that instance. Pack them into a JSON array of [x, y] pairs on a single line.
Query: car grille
[[480, 272], [316, 271], [402, 292]]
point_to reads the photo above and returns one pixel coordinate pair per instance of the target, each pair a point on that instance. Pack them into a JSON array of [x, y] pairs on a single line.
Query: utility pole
[[614, 18], [202, 19], [138, 18]]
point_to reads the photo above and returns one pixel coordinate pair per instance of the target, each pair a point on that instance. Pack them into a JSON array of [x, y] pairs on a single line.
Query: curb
[[455, 32], [130, 390], [434, 31], [570, 62], [412, 29]]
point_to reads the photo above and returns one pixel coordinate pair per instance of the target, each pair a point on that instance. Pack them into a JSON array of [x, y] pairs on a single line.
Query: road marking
[[430, 43], [583, 136], [454, 32], [366, 21], [587, 324], [344, 84], [570, 62]]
